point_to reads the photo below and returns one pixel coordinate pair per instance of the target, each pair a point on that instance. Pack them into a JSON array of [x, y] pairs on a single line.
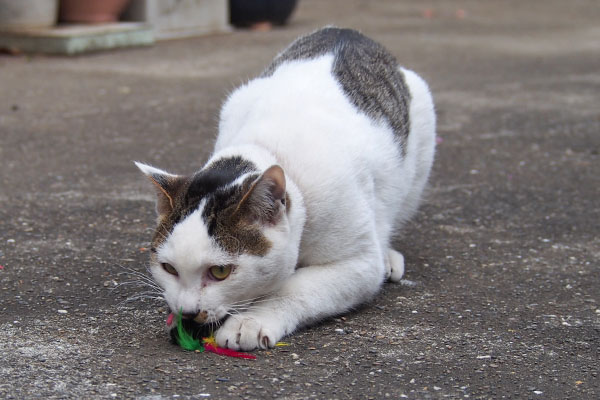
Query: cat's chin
[[198, 331]]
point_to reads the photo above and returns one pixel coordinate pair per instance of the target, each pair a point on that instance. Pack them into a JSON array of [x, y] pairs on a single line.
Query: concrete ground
[[504, 254]]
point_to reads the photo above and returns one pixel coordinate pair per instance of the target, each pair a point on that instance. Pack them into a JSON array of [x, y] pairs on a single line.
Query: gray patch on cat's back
[[305, 48], [368, 73]]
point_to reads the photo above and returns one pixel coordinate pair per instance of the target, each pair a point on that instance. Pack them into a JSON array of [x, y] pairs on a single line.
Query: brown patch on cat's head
[[229, 227], [234, 214], [236, 219]]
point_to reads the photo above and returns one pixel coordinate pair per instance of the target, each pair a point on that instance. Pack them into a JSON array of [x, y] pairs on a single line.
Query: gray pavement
[[503, 256]]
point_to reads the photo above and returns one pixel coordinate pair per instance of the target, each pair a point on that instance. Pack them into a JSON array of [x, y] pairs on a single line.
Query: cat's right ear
[[166, 186]]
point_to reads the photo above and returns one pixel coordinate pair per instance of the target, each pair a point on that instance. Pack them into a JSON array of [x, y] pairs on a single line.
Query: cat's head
[[222, 240]]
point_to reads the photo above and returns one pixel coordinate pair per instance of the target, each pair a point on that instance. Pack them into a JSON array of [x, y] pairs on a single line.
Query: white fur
[[150, 170], [350, 190]]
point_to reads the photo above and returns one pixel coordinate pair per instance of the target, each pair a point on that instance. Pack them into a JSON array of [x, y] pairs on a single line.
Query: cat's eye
[[169, 268], [220, 272]]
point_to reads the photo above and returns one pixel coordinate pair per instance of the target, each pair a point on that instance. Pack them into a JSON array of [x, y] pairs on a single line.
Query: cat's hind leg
[[394, 266]]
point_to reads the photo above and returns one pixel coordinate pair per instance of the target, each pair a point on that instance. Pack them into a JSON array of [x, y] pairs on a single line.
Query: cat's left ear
[[265, 200], [167, 186]]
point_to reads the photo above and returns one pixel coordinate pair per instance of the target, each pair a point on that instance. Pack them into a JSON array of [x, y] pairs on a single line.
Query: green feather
[[184, 339]]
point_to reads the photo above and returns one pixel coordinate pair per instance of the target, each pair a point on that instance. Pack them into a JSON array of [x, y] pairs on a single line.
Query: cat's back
[[337, 113], [369, 75], [332, 73]]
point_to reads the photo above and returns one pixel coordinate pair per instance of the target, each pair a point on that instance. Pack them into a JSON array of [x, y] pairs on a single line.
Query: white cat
[[317, 163]]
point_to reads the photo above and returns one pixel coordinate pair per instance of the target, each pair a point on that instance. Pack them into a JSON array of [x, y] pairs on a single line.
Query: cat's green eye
[[169, 268], [220, 272]]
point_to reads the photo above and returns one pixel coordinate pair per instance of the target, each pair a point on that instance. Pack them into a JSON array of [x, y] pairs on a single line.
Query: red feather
[[227, 352]]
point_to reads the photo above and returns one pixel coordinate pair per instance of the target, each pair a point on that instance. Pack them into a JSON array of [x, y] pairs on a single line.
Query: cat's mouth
[[197, 330]]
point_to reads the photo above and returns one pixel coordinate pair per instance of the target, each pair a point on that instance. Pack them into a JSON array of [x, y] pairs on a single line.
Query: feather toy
[[188, 342]]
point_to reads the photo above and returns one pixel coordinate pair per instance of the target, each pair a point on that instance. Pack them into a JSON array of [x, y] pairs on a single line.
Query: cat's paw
[[394, 266], [249, 332]]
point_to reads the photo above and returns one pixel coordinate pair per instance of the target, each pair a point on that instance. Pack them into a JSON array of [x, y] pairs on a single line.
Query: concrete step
[[76, 39]]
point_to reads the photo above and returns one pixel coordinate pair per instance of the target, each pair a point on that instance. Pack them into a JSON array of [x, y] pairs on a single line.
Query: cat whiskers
[[138, 279], [141, 296]]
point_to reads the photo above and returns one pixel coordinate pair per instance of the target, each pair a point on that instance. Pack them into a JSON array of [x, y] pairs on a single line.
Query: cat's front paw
[[249, 332]]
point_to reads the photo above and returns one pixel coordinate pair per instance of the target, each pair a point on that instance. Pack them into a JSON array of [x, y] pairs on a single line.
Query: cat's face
[[222, 237]]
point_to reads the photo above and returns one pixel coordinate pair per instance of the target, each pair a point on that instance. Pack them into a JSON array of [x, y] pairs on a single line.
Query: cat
[[318, 162]]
